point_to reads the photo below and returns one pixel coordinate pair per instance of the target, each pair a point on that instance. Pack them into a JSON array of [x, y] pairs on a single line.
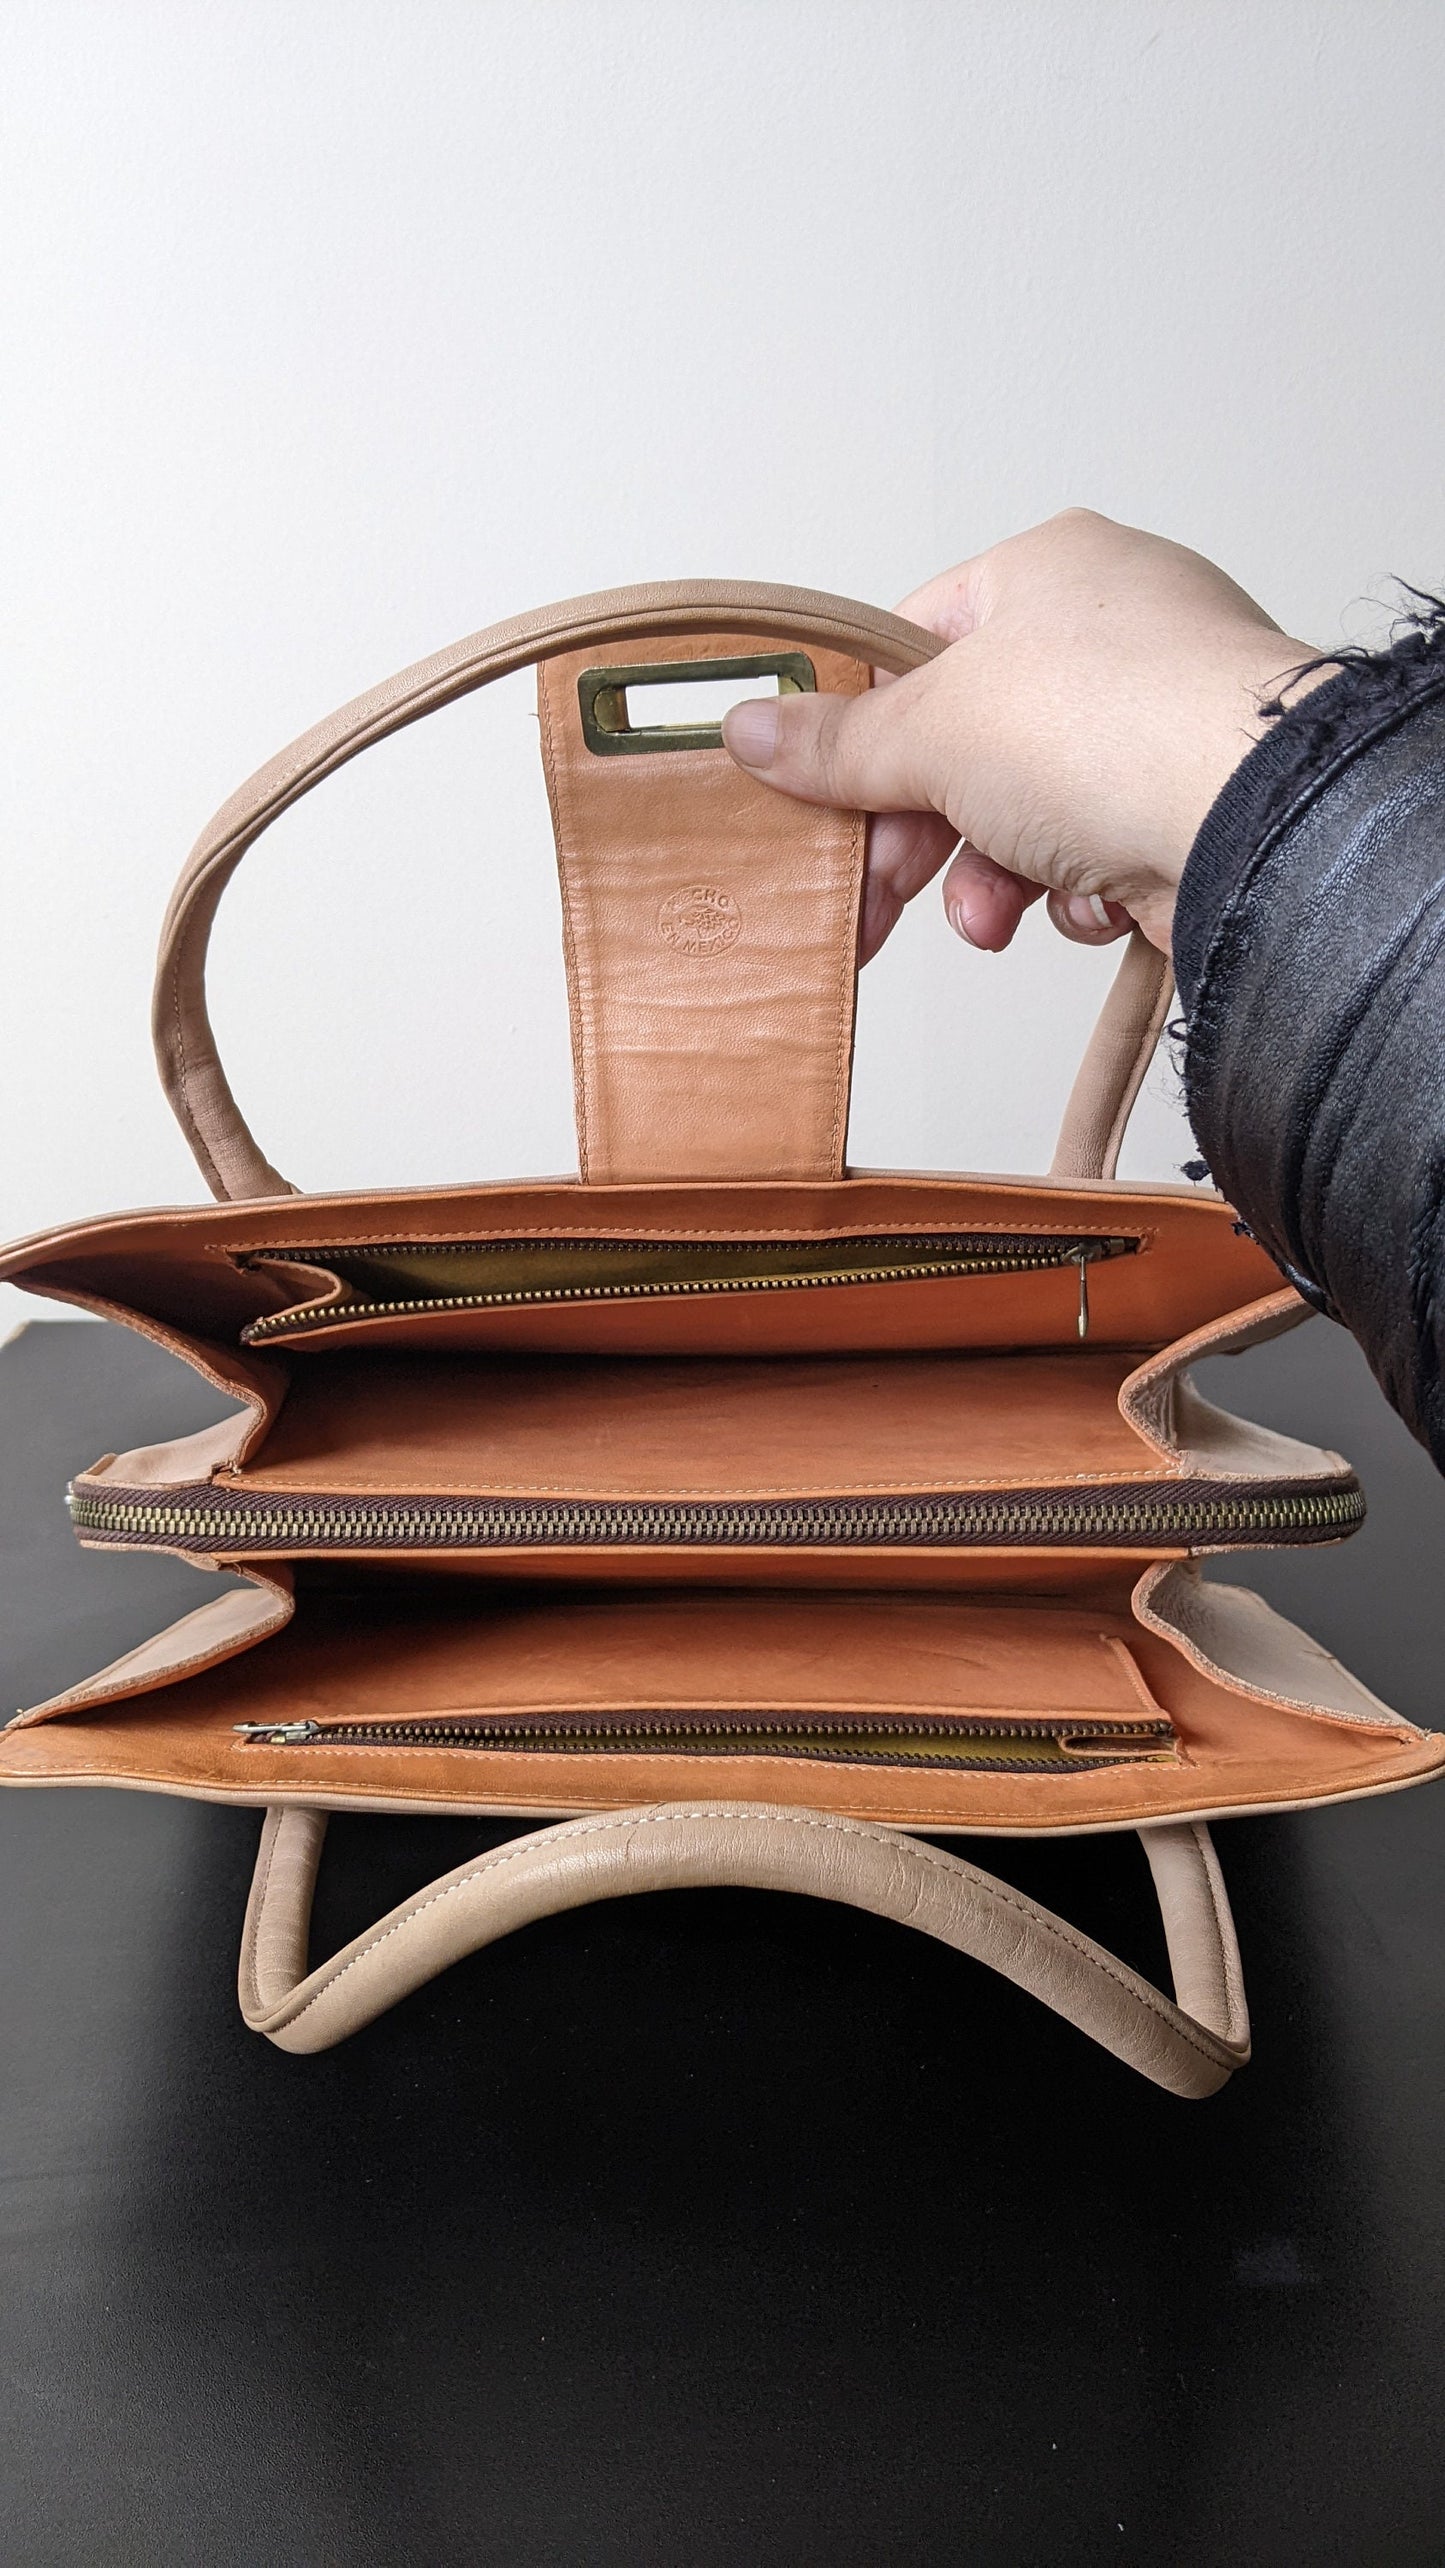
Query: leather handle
[[1190, 2045], [1116, 1063], [231, 1161]]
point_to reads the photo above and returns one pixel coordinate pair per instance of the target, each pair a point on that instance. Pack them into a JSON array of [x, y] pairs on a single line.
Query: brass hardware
[[602, 698]]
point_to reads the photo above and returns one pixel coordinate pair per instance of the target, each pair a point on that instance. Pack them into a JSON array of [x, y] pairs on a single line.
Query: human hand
[[1100, 687]]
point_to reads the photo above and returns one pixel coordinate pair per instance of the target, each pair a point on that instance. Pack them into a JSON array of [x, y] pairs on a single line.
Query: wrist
[[1228, 720]]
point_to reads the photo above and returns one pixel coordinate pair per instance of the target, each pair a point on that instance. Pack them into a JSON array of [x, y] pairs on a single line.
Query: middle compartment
[[544, 1460]]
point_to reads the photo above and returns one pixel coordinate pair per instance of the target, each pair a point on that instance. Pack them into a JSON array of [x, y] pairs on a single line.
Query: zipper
[[775, 1266], [977, 1744], [214, 1518]]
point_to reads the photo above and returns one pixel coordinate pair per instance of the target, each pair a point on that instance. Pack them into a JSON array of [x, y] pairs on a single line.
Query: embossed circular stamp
[[701, 920]]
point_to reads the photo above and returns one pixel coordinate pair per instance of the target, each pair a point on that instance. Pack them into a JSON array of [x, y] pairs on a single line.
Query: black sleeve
[[1309, 947]]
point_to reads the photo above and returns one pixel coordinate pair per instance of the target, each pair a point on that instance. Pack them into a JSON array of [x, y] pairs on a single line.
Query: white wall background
[[333, 331]]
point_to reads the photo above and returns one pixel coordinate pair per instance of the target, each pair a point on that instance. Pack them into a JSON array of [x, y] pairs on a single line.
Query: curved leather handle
[[1190, 2046], [233, 1164], [230, 1160], [1116, 1064]]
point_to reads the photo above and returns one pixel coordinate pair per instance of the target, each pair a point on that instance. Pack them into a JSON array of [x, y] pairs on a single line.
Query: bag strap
[[1116, 1063], [230, 1159], [1191, 2046]]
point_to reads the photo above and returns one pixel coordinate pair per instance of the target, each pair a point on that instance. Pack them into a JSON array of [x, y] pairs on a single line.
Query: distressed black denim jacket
[[1309, 946]]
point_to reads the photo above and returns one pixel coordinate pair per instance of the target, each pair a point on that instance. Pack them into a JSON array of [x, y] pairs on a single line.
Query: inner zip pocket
[[476, 1275], [959, 1742]]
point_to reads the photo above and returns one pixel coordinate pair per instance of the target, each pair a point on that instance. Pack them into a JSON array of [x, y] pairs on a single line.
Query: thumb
[[862, 752]]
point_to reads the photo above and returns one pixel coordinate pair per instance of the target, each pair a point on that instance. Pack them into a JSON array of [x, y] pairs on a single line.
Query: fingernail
[[1087, 910], [750, 732], [958, 919]]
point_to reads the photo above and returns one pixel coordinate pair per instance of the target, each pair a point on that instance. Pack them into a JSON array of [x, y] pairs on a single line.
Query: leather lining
[[405, 1649], [581, 1427], [185, 1271]]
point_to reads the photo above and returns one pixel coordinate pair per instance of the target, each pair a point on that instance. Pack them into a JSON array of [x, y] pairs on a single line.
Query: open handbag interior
[[750, 1513]]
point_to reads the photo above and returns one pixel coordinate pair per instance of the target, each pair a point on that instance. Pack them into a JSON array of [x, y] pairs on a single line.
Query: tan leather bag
[[771, 1519]]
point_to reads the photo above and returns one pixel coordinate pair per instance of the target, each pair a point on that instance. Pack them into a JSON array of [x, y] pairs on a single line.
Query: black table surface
[[717, 2231]]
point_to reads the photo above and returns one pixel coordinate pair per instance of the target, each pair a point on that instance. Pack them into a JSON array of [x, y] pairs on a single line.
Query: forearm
[[1309, 944]]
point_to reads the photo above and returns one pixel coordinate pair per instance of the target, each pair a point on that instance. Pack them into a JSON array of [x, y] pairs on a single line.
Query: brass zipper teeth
[[836, 1739], [1188, 1512], [1001, 1258]]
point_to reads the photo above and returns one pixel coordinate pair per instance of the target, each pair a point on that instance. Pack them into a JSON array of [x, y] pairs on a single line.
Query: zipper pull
[[278, 1734], [1082, 1256]]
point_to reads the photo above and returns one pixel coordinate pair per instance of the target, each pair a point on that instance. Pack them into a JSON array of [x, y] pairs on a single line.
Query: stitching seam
[[262, 1886]]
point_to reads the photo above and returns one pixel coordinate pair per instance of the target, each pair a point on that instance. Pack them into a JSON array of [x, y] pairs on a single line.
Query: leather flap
[[711, 935]]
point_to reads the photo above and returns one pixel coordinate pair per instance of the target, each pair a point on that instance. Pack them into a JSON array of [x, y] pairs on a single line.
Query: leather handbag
[[767, 1521]]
